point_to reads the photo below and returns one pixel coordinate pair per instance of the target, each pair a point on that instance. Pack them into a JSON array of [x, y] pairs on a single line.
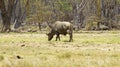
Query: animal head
[[50, 36]]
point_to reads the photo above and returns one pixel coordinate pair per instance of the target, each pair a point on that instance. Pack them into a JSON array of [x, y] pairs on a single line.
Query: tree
[[77, 9], [20, 11], [6, 13], [12, 11]]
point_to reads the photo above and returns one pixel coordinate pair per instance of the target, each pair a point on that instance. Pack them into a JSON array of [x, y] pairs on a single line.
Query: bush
[[91, 23]]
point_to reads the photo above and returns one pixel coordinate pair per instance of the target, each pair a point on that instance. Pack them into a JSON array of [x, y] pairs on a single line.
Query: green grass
[[89, 49]]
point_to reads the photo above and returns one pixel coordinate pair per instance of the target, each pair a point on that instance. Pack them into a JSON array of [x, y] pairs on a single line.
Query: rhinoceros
[[61, 27]]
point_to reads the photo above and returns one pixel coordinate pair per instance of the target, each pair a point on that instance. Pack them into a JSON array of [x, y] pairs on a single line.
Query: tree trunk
[[39, 25], [6, 14], [6, 24]]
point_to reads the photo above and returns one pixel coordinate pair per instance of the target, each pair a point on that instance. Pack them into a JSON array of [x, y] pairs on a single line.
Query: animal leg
[[71, 37], [58, 37]]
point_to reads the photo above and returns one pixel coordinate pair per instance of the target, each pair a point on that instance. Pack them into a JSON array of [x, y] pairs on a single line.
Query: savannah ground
[[89, 49]]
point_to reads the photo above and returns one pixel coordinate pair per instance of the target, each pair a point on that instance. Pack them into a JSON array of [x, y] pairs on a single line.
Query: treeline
[[84, 14]]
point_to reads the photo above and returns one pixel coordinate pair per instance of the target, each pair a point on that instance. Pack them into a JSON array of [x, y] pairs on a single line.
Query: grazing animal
[[61, 27]]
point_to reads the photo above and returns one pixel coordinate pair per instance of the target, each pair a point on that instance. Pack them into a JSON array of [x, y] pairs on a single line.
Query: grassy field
[[89, 49]]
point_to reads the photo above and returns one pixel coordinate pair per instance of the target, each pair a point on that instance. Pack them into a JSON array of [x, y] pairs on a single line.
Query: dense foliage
[[82, 13]]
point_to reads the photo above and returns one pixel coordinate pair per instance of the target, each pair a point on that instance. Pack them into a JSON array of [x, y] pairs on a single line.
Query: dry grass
[[94, 49]]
